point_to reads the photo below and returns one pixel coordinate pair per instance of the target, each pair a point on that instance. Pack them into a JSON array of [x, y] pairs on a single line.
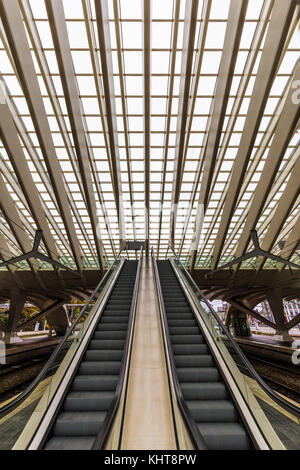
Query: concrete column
[[276, 303], [58, 320], [17, 302], [239, 321]]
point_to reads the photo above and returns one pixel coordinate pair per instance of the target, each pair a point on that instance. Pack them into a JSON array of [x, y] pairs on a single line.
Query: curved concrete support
[[275, 300], [17, 301], [57, 319]]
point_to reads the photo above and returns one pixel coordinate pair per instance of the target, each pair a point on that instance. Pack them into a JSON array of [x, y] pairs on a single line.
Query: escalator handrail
[[268, 390], [190, 422], [22, 396], [110, 415]]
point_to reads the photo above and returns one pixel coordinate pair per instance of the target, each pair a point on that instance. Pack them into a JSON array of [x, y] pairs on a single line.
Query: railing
[[70, 336], [194, 432], [121, 389], [271, 393]]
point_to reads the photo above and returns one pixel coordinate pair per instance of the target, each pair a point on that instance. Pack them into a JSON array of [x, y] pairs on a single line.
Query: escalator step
[[70, 443], [113, 318], [116, 312], [78, 423], [179, 323], [212, 411], [180, 316], [204, 391], [184, 330], [112, 327], [178, 309], [103, 355], [126, 307], [182, 349], [187, 339], [107, 344], [83, 383], [203, 360], [109, 334], [88, 401], [94, 368], [224, 436], [198, 374]]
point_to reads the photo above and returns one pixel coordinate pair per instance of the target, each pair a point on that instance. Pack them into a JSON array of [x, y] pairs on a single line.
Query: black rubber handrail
[[272, 394], [49, 364], [194, 432], [123, 380]]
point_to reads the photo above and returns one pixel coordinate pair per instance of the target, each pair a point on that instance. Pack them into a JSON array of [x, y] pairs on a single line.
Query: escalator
[[92, 390], [221, 407], [206, 395], [82, 404]]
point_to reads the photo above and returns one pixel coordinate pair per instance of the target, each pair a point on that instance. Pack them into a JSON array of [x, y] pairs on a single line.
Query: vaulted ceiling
[[171, 121]]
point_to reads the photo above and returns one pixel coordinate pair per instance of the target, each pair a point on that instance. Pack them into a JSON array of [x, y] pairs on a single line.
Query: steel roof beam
[[147, 112], [91, 36], [64, 58], [11, 214], [291, 244], [17, 40], [13, 148], [102, 17], [234, 29], [283, 133], [4, 250], [275, 40], [124, 111], [169, 112], [189, 32]]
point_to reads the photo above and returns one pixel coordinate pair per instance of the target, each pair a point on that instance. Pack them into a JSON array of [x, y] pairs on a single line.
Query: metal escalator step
[[180, 316], [121, 297], [116, 312], [88, 401], [212, 411], [125, 308], [198, 374], [107, 344], [119, 302], [78, 423], [83, 383], [109, 334], [113, 318], [187, 339], [103, 355], [178, 310], [94, 368], [178, 323], [224, 436], [176, 303], [203, 360], [182, 349], [184, 330], [204, 391], [112, 326], [70, 443]]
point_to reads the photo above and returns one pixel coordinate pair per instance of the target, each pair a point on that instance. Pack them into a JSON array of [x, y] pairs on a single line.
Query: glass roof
[[146, 173]]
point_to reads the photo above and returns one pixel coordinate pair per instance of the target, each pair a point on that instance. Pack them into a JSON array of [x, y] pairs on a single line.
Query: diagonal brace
[[34, 253]]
